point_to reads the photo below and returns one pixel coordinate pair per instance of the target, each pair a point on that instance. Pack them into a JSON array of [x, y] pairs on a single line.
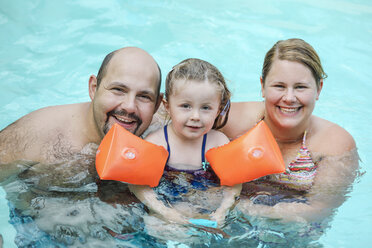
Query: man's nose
[[129, 103]]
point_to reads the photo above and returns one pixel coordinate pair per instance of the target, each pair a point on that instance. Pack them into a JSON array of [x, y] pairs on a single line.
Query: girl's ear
[[166, 105]]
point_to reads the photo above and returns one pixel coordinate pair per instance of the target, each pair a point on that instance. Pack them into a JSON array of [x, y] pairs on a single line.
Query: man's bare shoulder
[[36, 132]]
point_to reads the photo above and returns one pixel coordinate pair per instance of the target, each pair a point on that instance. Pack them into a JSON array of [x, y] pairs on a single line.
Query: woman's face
[[290, 93]]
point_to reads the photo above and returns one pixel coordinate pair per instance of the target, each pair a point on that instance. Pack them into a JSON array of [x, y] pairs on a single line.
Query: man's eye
[[147, 97], [117, 89]]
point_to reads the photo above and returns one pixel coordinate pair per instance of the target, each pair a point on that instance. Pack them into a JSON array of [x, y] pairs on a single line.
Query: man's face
[[127, 94]]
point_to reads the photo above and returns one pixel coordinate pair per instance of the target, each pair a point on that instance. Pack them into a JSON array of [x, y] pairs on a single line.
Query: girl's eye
[[186, 106], [206, 108]]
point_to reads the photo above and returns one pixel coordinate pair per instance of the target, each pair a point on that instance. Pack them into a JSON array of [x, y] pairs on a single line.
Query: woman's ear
[[320, 87], [92, 86], [262, 88]]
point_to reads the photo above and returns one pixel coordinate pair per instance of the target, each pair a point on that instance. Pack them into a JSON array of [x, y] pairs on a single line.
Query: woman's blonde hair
[[295, 50]]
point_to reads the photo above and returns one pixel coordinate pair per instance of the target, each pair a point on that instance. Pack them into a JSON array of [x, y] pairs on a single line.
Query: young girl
[[197, 101]]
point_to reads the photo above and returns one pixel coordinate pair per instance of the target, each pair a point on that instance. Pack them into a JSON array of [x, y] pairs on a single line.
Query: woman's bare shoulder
[[242, 117], [332, 139]]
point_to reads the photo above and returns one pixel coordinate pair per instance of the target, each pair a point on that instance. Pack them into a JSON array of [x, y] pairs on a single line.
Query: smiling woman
[[314, 182], [289, 97]]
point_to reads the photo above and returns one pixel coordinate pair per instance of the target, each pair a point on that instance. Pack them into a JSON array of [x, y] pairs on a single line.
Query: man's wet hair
[[103, 69]]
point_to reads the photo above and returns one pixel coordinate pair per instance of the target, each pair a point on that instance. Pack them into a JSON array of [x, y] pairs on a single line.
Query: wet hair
[[295, 50], [103, 69], [200, 70]]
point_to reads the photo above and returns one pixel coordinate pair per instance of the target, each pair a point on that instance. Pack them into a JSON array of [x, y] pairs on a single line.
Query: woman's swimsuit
[[289, 186], [300, 173], [176, 183]]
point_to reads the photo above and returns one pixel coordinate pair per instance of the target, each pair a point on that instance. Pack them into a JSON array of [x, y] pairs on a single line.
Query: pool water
[[50, 48]]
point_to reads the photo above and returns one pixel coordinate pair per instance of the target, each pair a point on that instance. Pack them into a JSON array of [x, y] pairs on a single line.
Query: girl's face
[[290, 94], [193, 107]]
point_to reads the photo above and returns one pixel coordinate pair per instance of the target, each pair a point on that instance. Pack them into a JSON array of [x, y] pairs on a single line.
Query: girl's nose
[[195, 116]]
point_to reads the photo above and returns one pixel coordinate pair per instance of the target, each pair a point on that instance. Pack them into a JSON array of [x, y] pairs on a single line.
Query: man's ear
[[92, 86], [158, 102]]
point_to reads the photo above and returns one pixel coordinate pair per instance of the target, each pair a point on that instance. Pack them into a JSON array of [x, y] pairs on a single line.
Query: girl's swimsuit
[[176, 183], [289, 186]]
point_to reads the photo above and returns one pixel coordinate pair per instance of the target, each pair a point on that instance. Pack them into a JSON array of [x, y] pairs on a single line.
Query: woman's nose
[[289, 96]]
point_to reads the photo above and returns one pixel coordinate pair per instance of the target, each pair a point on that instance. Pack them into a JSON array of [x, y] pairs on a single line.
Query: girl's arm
[[148, 197], [229, 197]]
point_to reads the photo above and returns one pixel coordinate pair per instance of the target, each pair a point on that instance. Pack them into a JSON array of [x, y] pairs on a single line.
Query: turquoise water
[[50, 48]]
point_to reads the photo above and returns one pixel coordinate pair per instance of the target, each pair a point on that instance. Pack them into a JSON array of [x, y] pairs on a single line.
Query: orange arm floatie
[[122, 156], [254, 154]]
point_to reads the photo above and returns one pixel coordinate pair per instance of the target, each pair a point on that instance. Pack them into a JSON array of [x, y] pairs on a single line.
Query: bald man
[[125, 91]]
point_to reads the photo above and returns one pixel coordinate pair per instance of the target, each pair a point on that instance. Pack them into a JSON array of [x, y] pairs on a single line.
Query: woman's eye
[[278, 86], [301, 87]]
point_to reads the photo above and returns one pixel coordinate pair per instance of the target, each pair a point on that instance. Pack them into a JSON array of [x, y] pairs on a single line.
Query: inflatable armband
[[254, 154], [122, 156]]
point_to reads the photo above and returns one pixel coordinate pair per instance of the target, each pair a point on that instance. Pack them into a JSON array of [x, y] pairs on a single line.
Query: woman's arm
[[148, 197], [336, 173], [242, 117]]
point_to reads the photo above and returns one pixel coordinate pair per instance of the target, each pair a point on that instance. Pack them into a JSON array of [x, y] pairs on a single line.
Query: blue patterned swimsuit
[[175, 184]]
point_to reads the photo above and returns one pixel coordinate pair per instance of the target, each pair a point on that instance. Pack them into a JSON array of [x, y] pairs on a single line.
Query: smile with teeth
[[124, 120], [289, 110]]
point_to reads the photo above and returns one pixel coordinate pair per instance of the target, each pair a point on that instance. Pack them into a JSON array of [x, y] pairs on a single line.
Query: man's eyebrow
[[119, 84], [147, 92], [124, 85]]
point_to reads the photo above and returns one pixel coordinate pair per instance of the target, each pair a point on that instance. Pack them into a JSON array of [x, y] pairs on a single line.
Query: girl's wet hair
[[200, 70], [295, 50]]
